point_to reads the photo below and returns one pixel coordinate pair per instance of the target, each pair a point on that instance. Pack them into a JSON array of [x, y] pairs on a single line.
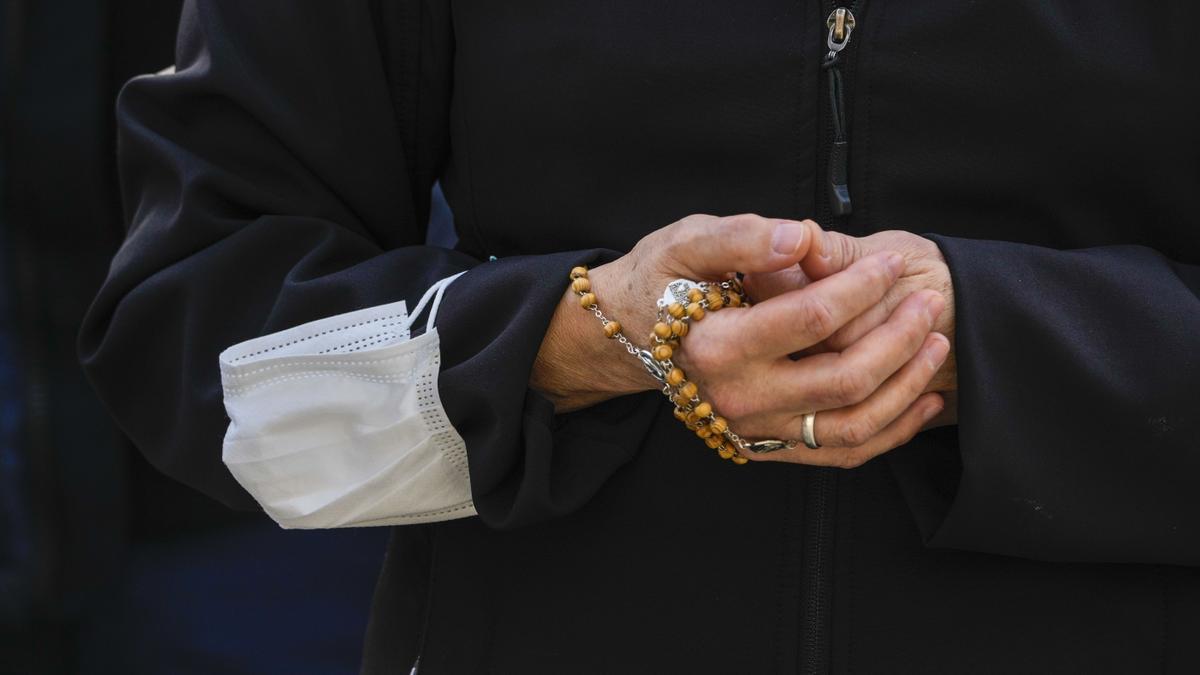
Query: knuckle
[[847, 247], [856, 431], [689, 230], [740, 353], [878, 274], [732, 228], [840, 340], [816, 319], [737, 407], [926, 247], [688, 233], [708, 356], [741, 221], [851, 385], [744, 422]]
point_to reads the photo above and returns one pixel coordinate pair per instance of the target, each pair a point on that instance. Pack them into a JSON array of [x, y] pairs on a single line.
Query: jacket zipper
[[819, 507], [818, 570], [840, 24]]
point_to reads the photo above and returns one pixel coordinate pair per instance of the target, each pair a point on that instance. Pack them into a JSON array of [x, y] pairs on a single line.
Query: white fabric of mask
[[338, 422]]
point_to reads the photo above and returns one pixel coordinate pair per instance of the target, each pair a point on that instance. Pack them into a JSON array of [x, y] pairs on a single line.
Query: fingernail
[[787, 238], [938, 351], [932, 410]]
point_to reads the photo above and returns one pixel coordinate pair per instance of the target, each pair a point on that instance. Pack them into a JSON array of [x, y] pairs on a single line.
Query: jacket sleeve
[[278, 177], [1079, 408]]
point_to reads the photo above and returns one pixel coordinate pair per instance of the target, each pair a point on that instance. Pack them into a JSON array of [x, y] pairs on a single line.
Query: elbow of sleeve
[[176, 423]]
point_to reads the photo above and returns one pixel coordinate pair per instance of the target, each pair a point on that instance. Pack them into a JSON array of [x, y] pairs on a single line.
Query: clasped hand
[[855, 329]]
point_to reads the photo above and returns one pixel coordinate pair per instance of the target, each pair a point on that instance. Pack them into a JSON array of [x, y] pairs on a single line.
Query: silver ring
[[810, 439]]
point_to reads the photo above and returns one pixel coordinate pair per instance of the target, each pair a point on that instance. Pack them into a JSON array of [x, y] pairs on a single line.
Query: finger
[[766, 285], [864, 323], [863, 366], [834, 253], [899, 432], [835, 380], [858, 424], [798, 319], [708, 248]]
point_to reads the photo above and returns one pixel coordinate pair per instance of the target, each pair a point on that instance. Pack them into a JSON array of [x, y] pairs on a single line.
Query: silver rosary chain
[[619, 336]]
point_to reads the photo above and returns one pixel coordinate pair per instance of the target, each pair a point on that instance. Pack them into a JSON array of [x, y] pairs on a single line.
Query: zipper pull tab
[[841, 24]]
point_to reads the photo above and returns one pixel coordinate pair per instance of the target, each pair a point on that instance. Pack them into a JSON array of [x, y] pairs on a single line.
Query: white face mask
[[338, 423]]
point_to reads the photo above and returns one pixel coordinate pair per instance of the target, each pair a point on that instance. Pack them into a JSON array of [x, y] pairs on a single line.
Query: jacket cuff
[[527, 464]]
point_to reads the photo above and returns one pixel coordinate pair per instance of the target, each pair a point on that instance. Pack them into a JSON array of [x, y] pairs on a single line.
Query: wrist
[[576, 365]]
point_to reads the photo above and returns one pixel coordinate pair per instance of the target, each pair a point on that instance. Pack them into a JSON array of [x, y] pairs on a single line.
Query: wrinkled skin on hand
[[873, 393]]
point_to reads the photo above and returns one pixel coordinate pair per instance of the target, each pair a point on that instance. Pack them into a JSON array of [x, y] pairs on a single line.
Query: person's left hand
[[926, 269]]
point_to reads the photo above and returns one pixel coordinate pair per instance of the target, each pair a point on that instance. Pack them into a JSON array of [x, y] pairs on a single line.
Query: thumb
[[832, 253], [707, 247]]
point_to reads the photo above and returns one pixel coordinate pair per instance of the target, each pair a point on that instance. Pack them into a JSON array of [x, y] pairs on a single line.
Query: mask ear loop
[[435, 293]]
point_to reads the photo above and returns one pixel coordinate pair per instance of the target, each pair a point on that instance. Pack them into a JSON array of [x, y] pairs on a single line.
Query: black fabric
[[1050, 151]]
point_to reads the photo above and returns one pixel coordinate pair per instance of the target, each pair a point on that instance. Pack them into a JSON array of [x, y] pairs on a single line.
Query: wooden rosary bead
[[714, 442], [703, 409], [695, 311], [683, 331], [675, 309], [663, 352], [704, 432], [587, 300], [695, 295], [719, 425], [674, 377], [578, 272], [735, 300], [715, 301], [739, 460], [693, 420], [662, 330], [688, 390], [725, 451], [581, 285], [681, 414], [678, 328], [611, 329]]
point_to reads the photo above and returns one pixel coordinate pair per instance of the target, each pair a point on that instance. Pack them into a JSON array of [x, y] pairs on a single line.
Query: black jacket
[[1050, 148]]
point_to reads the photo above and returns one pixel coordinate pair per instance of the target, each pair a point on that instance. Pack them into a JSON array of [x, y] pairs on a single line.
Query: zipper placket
[[819, 507], [818, 569]]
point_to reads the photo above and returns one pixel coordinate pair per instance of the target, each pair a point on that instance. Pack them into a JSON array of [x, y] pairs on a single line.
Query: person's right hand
[[869, 395]]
